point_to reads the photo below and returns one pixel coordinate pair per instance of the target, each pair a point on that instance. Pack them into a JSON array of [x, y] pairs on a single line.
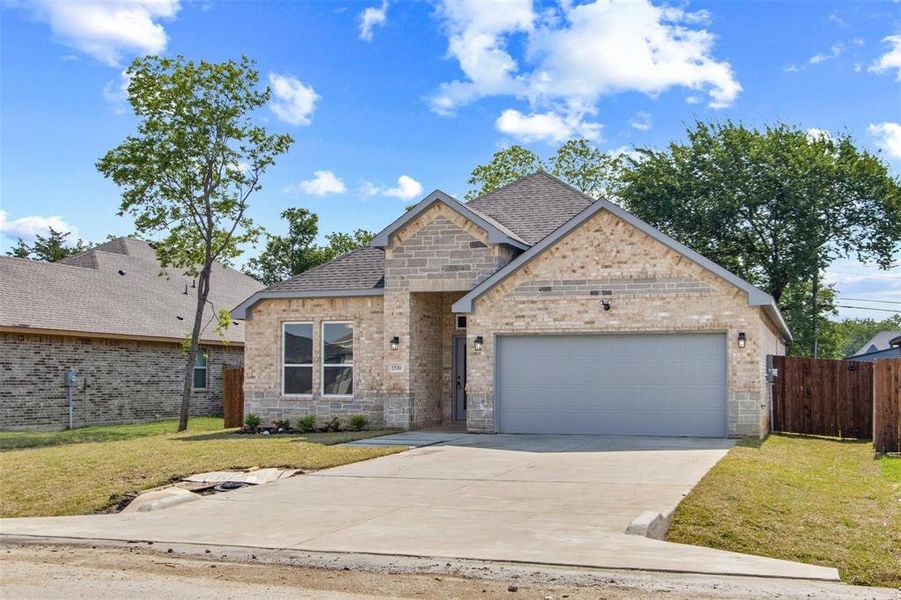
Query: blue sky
[[388, 101]]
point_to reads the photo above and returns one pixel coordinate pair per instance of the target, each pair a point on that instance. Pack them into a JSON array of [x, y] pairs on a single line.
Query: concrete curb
[[650, 524]]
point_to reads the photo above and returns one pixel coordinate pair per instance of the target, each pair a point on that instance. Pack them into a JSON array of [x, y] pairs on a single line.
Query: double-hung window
[[337, 359], [200, 369], [297, 359]]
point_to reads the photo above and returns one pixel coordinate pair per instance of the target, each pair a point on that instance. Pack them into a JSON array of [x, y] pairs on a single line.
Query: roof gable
[[498, 233], [756, 296]]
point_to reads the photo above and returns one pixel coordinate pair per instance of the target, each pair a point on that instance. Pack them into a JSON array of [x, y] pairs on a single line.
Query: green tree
[[341, 243], [588, 169], [49, 248], [292, 254], [776, 206], [577, 162], [286, 256], [188, 173], [854, 333], [506, 166]]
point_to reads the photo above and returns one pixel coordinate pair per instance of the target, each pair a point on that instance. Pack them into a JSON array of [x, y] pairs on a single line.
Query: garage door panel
[[639, 384]]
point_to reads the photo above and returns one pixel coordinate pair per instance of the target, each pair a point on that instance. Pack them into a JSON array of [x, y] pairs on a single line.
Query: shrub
[[307, 423], [252, 422], [282, 424], [334, 424], [358, 423]]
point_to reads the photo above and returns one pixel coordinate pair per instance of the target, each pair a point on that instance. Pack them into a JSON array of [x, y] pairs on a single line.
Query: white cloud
[[891, 59], [116, 93], [888, 137], [642, 121], [576, 55], [545, 127], [814, 134], [836, 50], [406, 188], [292, 101], [108, 31], [28, 228], [373, 16], [323, 183]]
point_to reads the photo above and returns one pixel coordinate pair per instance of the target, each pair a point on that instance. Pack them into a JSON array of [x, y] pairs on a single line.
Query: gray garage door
[[613, 384]]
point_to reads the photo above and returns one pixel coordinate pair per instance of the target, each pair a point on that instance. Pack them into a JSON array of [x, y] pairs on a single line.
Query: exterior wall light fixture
[[742, 340], [606, 304], [479, 343], [395, 343]]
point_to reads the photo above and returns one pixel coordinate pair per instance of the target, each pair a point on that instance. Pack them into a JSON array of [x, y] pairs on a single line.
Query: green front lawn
[[77, 474], [108, 433], [813, 500]]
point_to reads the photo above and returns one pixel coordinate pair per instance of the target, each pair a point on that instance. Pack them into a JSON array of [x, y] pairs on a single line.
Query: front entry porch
[[432, 392]]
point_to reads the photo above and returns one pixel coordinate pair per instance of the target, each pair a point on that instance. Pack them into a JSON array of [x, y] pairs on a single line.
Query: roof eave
[[383, 238], [244, 310]]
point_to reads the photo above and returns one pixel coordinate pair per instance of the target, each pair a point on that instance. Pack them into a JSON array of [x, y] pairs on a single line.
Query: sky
[[389, 100]]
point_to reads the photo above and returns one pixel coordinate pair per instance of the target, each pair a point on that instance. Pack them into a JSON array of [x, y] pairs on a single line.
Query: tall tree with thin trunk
[[188, 173]]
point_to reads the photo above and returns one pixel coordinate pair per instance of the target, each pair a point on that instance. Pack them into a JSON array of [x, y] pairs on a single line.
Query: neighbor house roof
[[756, 296], [114, 290], [881, 341], [532, 207]]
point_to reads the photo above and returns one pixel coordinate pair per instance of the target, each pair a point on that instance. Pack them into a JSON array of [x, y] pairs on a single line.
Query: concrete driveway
[[562, 500]]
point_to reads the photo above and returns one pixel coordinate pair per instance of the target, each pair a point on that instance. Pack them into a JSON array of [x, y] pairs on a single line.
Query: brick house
[[108, 314], [532, 309]]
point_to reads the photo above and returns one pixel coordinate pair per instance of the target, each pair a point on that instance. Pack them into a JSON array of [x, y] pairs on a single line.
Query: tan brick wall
[[608, 255], [263, 358]]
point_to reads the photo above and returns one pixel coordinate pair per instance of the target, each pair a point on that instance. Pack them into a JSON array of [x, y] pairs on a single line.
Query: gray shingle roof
[[532, 207], [86, 293], [880, 341], [361, 269]]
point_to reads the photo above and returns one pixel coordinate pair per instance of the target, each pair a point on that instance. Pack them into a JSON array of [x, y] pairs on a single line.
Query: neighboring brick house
[[109, 314], [532, 309]]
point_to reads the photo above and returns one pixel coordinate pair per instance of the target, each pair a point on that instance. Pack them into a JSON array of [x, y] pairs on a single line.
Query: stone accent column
[[398, 393]]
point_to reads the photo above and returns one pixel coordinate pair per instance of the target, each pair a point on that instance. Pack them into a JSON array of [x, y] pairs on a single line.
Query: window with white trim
[[297, 359], [337, 359], [200, 369]]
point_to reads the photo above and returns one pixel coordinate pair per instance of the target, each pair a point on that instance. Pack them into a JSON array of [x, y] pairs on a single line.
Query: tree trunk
[[815, 313], [203, 290]]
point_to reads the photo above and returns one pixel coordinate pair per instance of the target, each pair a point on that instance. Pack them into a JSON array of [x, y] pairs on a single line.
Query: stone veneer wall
[[425, 358], [441, 251], [119, 381], [263, 361], [657, 290]]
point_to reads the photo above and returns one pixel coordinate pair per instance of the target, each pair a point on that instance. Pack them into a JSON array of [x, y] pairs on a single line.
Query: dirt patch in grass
[[813, 500], [81, 478]]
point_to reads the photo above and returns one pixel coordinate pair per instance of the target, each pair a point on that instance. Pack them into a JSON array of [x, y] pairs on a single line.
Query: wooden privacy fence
[[887, 409], [823, 397], [233, 397]]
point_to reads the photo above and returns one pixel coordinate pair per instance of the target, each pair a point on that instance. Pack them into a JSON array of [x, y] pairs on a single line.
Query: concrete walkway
[[560, 500]]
